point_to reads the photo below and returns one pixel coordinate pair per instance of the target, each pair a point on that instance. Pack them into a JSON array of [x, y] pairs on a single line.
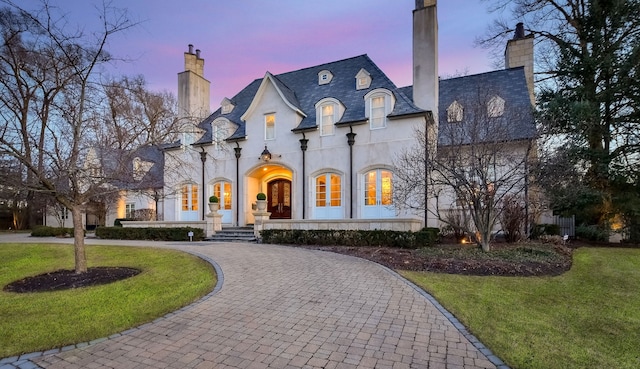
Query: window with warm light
[[189, 197], [328, 190], [270, 127], [327, 119], [222, 190], [386, 193], [370, 188], [378, 188], [377, 112]]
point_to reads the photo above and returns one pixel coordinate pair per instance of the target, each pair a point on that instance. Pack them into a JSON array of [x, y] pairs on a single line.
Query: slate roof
[[509, 84], [302, 90], [119, 167]]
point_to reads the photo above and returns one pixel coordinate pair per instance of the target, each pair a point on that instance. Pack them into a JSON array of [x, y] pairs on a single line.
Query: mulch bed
[[406, 259], [67, 279]]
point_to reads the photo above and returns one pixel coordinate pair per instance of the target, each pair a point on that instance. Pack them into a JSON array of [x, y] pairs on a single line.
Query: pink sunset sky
[[242, 39]]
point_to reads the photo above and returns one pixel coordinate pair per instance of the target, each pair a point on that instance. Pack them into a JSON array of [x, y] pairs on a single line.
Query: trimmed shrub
[[322, 237], [154, 234], [592, 233], [544, 229], [45, 231]]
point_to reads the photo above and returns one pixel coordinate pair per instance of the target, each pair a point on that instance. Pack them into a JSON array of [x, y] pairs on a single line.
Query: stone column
[[214, 223], [260, 218]]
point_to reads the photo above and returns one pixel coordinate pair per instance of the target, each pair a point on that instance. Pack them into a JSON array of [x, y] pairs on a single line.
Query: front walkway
[[284, 307]]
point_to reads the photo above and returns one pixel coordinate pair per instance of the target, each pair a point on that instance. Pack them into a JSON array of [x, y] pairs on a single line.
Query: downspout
[[237, 149], [426, 169], [527, 225], [303, 147], [203, 158], [351, 139]]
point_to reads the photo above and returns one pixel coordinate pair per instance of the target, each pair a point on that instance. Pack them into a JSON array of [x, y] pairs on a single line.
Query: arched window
[[378, 194], [189, 201], [328, 196], [379, 104], [328, 112]]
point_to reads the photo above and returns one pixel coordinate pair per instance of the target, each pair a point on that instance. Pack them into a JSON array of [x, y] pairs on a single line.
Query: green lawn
[[39, 321], [588, 317]]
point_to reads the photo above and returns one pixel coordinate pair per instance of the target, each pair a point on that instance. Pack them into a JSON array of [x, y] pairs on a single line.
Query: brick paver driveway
[[284, 307]]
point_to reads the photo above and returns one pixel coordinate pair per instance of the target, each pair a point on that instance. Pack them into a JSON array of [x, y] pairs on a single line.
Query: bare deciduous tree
[[49, 92], [481, 158]]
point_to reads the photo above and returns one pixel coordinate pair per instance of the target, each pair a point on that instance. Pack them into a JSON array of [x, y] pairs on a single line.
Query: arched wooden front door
[[279, 199]]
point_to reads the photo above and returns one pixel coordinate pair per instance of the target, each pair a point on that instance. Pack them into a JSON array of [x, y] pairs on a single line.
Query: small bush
[[44, 231], [154, 234], [592, 233], [544, 229], [425, 237], [118, 221]]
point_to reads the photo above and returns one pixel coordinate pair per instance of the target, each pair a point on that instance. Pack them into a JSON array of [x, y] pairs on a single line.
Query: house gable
[[287, 96]]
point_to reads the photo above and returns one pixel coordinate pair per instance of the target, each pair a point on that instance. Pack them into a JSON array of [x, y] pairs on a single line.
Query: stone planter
[[214, 206], [262, 205]]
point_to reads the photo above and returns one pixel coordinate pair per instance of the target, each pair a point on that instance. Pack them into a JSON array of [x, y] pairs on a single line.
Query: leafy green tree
[[588, 74]]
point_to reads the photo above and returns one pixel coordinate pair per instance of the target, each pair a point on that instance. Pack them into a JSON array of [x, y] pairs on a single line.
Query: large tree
[[588, 72], [50, 91]]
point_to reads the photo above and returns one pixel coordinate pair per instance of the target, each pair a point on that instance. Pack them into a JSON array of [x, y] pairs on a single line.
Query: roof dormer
[[363, 80], [455, 112], [324, 77], [495, 107], [227, 106]]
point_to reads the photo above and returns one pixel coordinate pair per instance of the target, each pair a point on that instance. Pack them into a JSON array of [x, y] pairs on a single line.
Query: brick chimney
[[519, 53]]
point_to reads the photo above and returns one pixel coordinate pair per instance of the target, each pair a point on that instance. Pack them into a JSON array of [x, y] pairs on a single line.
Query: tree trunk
[[78, 241]]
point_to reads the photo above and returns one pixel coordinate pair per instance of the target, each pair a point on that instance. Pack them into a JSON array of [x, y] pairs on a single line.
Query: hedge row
[[155, 234], [45, 231], [424, 238]]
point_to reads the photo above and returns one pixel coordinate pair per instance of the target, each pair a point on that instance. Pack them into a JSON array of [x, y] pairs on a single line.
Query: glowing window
[[327, 119], [270, 127]]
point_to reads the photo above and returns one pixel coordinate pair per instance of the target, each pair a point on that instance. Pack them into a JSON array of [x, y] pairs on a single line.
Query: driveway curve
[[285, 307]]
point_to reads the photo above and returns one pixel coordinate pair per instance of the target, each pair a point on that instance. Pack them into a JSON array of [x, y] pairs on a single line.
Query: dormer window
[[219, 132], [324, 77], [455, 112], [190, 134], [495, 107], [379, 104], [227, 106], [328, 112], [363, 80]]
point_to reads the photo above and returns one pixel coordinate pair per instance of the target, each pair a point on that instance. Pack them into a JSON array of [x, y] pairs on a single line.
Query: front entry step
[[233, 234]]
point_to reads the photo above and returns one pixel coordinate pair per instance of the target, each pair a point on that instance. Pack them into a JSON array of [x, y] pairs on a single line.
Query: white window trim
[[324, 77], [389, 103], [338, 110], [220, 128], [455, 112], [495, 107], [274, 126]]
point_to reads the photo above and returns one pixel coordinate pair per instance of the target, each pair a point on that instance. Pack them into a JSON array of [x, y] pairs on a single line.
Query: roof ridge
[[323, 64]]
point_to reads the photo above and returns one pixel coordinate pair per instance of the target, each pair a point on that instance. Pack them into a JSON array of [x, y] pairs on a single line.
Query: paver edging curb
[[18, 362], [456, 323]]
